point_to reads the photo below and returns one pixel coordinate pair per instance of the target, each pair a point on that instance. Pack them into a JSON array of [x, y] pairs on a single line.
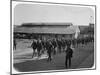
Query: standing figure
[[63, 45], [59, 45], [34, 46], [39, 47], [69, 54], [43, 42], [14, 44], [54, 43], [49, 50]]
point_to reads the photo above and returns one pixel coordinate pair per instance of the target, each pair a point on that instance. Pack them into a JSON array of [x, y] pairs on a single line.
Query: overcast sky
[[30, 13]]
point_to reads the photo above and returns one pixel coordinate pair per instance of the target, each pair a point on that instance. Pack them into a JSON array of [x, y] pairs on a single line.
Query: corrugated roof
[[68, 23], [54, 30]]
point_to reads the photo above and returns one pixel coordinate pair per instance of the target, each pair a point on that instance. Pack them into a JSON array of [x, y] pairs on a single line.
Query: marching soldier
[[39, 47], [34, 46], [69, 54], [14, 44], [59, 45], [49, 50], [54, 43]]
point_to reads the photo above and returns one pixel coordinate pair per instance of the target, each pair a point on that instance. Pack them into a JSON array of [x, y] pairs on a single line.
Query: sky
[[39, 13]]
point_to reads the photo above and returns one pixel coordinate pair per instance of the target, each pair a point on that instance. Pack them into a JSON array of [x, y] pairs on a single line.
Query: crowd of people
[[55, 46]]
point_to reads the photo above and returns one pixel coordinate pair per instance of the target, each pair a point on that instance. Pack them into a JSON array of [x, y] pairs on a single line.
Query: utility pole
[[91, 19]]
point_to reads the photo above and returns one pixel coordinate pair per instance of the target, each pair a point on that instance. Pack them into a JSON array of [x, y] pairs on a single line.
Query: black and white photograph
[[52, 37]]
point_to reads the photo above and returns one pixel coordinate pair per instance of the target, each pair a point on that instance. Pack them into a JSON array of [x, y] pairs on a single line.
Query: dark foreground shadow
[[58, 63]]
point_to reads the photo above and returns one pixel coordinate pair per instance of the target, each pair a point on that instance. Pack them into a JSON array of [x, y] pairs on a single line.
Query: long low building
[[64, 29]]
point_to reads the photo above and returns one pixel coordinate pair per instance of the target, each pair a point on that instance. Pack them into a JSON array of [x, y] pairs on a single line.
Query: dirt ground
[[83, 57]]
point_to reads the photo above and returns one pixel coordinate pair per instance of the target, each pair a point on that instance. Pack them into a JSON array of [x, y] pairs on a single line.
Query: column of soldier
[[55, 45]]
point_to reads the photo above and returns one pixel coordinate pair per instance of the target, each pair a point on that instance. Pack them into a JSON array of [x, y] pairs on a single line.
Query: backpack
[[69, 52]]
